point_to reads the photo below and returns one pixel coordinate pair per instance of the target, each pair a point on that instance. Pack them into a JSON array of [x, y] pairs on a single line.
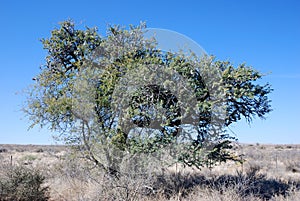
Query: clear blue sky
[[263, 34]]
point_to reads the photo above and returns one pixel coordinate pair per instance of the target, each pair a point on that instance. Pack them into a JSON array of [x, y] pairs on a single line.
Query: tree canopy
[[120, 94]]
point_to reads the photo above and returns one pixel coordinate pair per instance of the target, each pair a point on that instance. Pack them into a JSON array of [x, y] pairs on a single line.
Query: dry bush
[[139, 183], [20, 183], [87, 182], [293, 166]]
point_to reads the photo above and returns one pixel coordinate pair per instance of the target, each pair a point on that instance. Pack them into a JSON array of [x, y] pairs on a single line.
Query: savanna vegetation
[[269, 172], [141, 123]]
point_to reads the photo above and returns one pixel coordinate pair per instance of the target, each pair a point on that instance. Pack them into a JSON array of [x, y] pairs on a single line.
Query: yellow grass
[[69, 180]]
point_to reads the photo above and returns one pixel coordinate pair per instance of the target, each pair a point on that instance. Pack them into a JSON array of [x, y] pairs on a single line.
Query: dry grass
[[270, 172]]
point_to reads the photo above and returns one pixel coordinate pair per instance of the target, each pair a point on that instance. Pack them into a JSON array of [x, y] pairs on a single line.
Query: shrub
[[3, 150], [292, 166], [19, 183]]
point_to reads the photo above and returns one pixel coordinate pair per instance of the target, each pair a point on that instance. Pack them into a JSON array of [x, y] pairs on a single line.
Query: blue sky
[[263, 34]]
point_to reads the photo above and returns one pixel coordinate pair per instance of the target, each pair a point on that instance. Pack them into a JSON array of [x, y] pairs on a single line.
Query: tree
[[120, 94]]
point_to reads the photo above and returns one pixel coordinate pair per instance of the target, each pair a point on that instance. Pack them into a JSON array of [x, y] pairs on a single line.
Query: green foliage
[[120, 94], [19, 183]]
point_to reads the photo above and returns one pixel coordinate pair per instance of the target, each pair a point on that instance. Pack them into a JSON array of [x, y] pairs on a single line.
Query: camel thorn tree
[[120, 96]]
